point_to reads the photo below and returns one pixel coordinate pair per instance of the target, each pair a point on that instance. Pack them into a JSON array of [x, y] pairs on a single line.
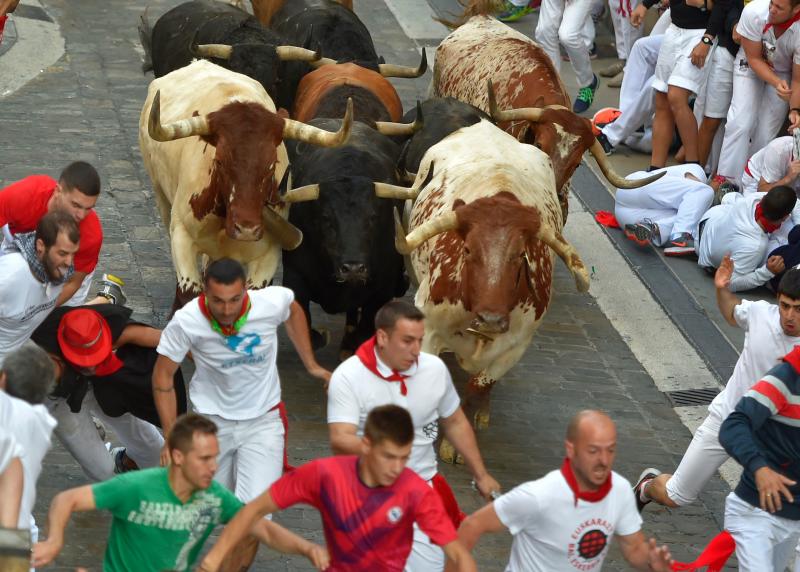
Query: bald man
[[565, 520]]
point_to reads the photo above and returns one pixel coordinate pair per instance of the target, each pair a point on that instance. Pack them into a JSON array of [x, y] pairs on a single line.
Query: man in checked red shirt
[[368, 503]]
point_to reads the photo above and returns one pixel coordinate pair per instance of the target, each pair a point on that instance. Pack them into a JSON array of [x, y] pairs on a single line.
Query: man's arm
[[787, 180], [279, 538], [297, 329], [64, 504], [644, 555], [70, 287], [164, 397], [139, 335], [344, 439], [726, 300], [460, 434], [748, 272], [474, 526], [11, 485], [458, 557], [761, 68]]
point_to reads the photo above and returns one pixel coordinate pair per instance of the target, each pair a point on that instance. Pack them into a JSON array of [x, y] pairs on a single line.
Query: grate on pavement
[[689, 397]]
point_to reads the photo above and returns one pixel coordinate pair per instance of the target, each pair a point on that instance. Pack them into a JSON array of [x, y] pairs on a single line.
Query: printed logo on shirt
[[589, 544], [431, 430], [394, 514], [244, 343]]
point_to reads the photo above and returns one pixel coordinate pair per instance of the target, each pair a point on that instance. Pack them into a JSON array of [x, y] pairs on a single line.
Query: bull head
[[285, 53], [386, 70], [387, 191]]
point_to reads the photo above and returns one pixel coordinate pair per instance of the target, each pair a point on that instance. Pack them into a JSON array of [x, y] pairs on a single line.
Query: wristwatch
[[706, 40]]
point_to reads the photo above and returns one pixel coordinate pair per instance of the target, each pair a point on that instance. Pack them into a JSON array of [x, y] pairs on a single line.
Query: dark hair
[[790, 284], [181, 436], [778, 203], [30, 373], [224, 271], [55, 222], [389, 422], [394, 310], [82, 176]]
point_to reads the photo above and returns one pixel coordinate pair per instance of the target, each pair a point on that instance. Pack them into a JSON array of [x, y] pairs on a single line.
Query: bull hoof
[[447, 453], [320, 338], [481, 420]]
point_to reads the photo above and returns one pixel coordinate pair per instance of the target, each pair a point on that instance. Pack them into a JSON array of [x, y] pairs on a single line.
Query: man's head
[[28, 373], [57, 241], [85, 339], [591, 446], [778, 203], [399, 329], [193, 448], [781, 11], [386, 445], [789, 302], [224, 287], [77, 190]]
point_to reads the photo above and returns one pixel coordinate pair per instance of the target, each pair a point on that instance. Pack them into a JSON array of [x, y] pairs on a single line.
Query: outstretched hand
[[659, 557], [722, 278]]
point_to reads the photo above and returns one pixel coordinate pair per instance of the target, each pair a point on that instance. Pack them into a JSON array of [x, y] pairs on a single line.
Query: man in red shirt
[[368, 503], [23, 203]]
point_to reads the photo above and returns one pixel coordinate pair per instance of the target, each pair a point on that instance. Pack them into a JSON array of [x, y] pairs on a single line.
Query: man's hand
[[319, 557], [794, 120], [320, 373], [783, 89], [699, 54], [487, 485], [722, 278], [794, 171], [165, 455], [45, 552], [775, 264], [659, 558], [771, 485], [638, 14]]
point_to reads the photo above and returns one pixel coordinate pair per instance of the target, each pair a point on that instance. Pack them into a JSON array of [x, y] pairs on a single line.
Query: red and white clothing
[[771, 164], [556, 528], [625, 33], [366, 528], [568, 23]]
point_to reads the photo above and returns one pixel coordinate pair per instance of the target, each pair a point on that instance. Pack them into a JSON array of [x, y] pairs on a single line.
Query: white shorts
[[719, 85], [702, 459], [425, 555], [674, 66]]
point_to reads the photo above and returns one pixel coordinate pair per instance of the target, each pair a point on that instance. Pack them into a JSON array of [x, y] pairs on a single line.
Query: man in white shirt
[[389, 368], [565, 521], [232, 333], [741, 226], [771, 331], [776, 165], [32, 278]]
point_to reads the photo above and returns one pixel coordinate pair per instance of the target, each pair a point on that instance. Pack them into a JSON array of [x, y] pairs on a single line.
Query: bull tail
[[473, 8], [146, 38]]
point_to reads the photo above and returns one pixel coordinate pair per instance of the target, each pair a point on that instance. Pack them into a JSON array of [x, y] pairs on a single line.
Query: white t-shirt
[[780, 53], [32, 426], [764, 346], [771, 164], [354, 391], [24, 302], [9, 449], [235, 377], [554, 534]]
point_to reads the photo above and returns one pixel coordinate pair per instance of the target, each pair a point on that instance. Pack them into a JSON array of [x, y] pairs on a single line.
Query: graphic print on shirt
[[589, 542], [243, 343], [431, 430]]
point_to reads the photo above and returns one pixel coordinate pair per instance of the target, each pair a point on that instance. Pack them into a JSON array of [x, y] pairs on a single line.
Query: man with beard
[[564, 521], [32, 277]]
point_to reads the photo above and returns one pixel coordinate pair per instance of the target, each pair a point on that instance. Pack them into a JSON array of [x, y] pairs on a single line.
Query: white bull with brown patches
[[483, 235]]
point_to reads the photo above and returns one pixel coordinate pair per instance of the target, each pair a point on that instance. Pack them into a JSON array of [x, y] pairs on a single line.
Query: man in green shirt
[[163, 516]]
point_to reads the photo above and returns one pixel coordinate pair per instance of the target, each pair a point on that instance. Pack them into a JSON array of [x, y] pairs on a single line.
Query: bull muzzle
[[352, 273], [490, 323], [247, 233]]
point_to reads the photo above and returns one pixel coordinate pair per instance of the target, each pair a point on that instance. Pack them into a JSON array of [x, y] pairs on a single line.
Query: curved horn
[[308, 133], [293, 53], [388, 191], [220, 51], [316, 64], [608, 171], [287, 235], [389, 128], [567, 253], [175, 130], [392, 70], [427, 230], [300, 194]]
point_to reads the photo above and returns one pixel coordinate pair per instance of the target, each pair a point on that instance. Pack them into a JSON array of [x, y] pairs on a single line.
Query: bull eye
[[467, 251]]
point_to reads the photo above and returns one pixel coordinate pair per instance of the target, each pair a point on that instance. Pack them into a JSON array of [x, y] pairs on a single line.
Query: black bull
[[347, 261]]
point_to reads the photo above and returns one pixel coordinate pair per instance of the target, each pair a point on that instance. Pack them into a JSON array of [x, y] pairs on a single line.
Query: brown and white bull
[[211, 141], [483, 49], [482, 236]]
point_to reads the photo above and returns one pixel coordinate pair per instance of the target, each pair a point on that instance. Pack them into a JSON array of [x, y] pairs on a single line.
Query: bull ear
[[282, 113], [458, 203]]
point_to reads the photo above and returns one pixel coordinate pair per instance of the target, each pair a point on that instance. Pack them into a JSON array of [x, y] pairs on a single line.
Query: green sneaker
[[585, 96], [512, 13]]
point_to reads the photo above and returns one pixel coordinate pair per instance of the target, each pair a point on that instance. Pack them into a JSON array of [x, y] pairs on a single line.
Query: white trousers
[[425, 555], [251, 454], [673, 202], [625, 34], [764, 542], [747, 131], [78, 434], [636, 96], [570, 23]]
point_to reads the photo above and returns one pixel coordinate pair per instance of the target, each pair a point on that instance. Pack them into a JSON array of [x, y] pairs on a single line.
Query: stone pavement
[[87, 106]]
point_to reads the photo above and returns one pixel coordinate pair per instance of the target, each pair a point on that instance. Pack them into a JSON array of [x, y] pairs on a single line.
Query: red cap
[[84, 337]]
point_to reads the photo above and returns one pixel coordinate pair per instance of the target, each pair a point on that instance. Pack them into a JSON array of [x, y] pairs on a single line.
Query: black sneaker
[[681, 246], [111, 289], [608, 148], [643, 232], [646, 476]]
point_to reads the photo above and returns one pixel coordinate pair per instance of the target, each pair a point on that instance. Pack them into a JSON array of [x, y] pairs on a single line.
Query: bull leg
[[350, 339], [184, 258], [477, 400]]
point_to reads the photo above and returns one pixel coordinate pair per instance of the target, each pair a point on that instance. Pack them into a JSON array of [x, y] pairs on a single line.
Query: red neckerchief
[[215, 325], [591, 496], [784, 25], [109, 366], [366, 353], [767, 225]]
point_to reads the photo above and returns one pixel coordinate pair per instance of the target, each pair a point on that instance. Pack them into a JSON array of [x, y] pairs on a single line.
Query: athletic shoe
[[613, 69], [642, 233], [723, 189], [120, 466], [646, 476], [512, 12], [608, 148], [111, 289], [586, 96], [681, 246], [616, 81]]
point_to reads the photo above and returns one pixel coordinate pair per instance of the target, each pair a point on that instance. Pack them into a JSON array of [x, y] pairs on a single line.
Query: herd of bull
[[488, 161]]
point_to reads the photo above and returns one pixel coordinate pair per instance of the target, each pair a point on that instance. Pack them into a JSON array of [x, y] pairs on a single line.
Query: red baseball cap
[[84, 337]]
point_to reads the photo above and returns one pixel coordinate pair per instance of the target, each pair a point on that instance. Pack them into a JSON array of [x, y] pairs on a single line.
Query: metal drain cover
[[689, 397]]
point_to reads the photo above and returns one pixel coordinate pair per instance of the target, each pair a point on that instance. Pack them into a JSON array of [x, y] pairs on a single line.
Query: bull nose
[[492, 323], [247, 232], [352, 272]]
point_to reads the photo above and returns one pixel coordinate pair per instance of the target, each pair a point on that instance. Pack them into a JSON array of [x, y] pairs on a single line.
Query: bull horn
[[521, 114], [177, 129], [316, 64], [309, 134], [392, 70], [567, 253], [388, 191], [608, 171], [300, 194], [389, 128], [293, 53], [219, 51], [286, 234], [406, 244]]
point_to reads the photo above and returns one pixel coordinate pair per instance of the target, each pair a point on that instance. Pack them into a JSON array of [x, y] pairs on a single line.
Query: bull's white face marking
[[233, 193], [566, 142]]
